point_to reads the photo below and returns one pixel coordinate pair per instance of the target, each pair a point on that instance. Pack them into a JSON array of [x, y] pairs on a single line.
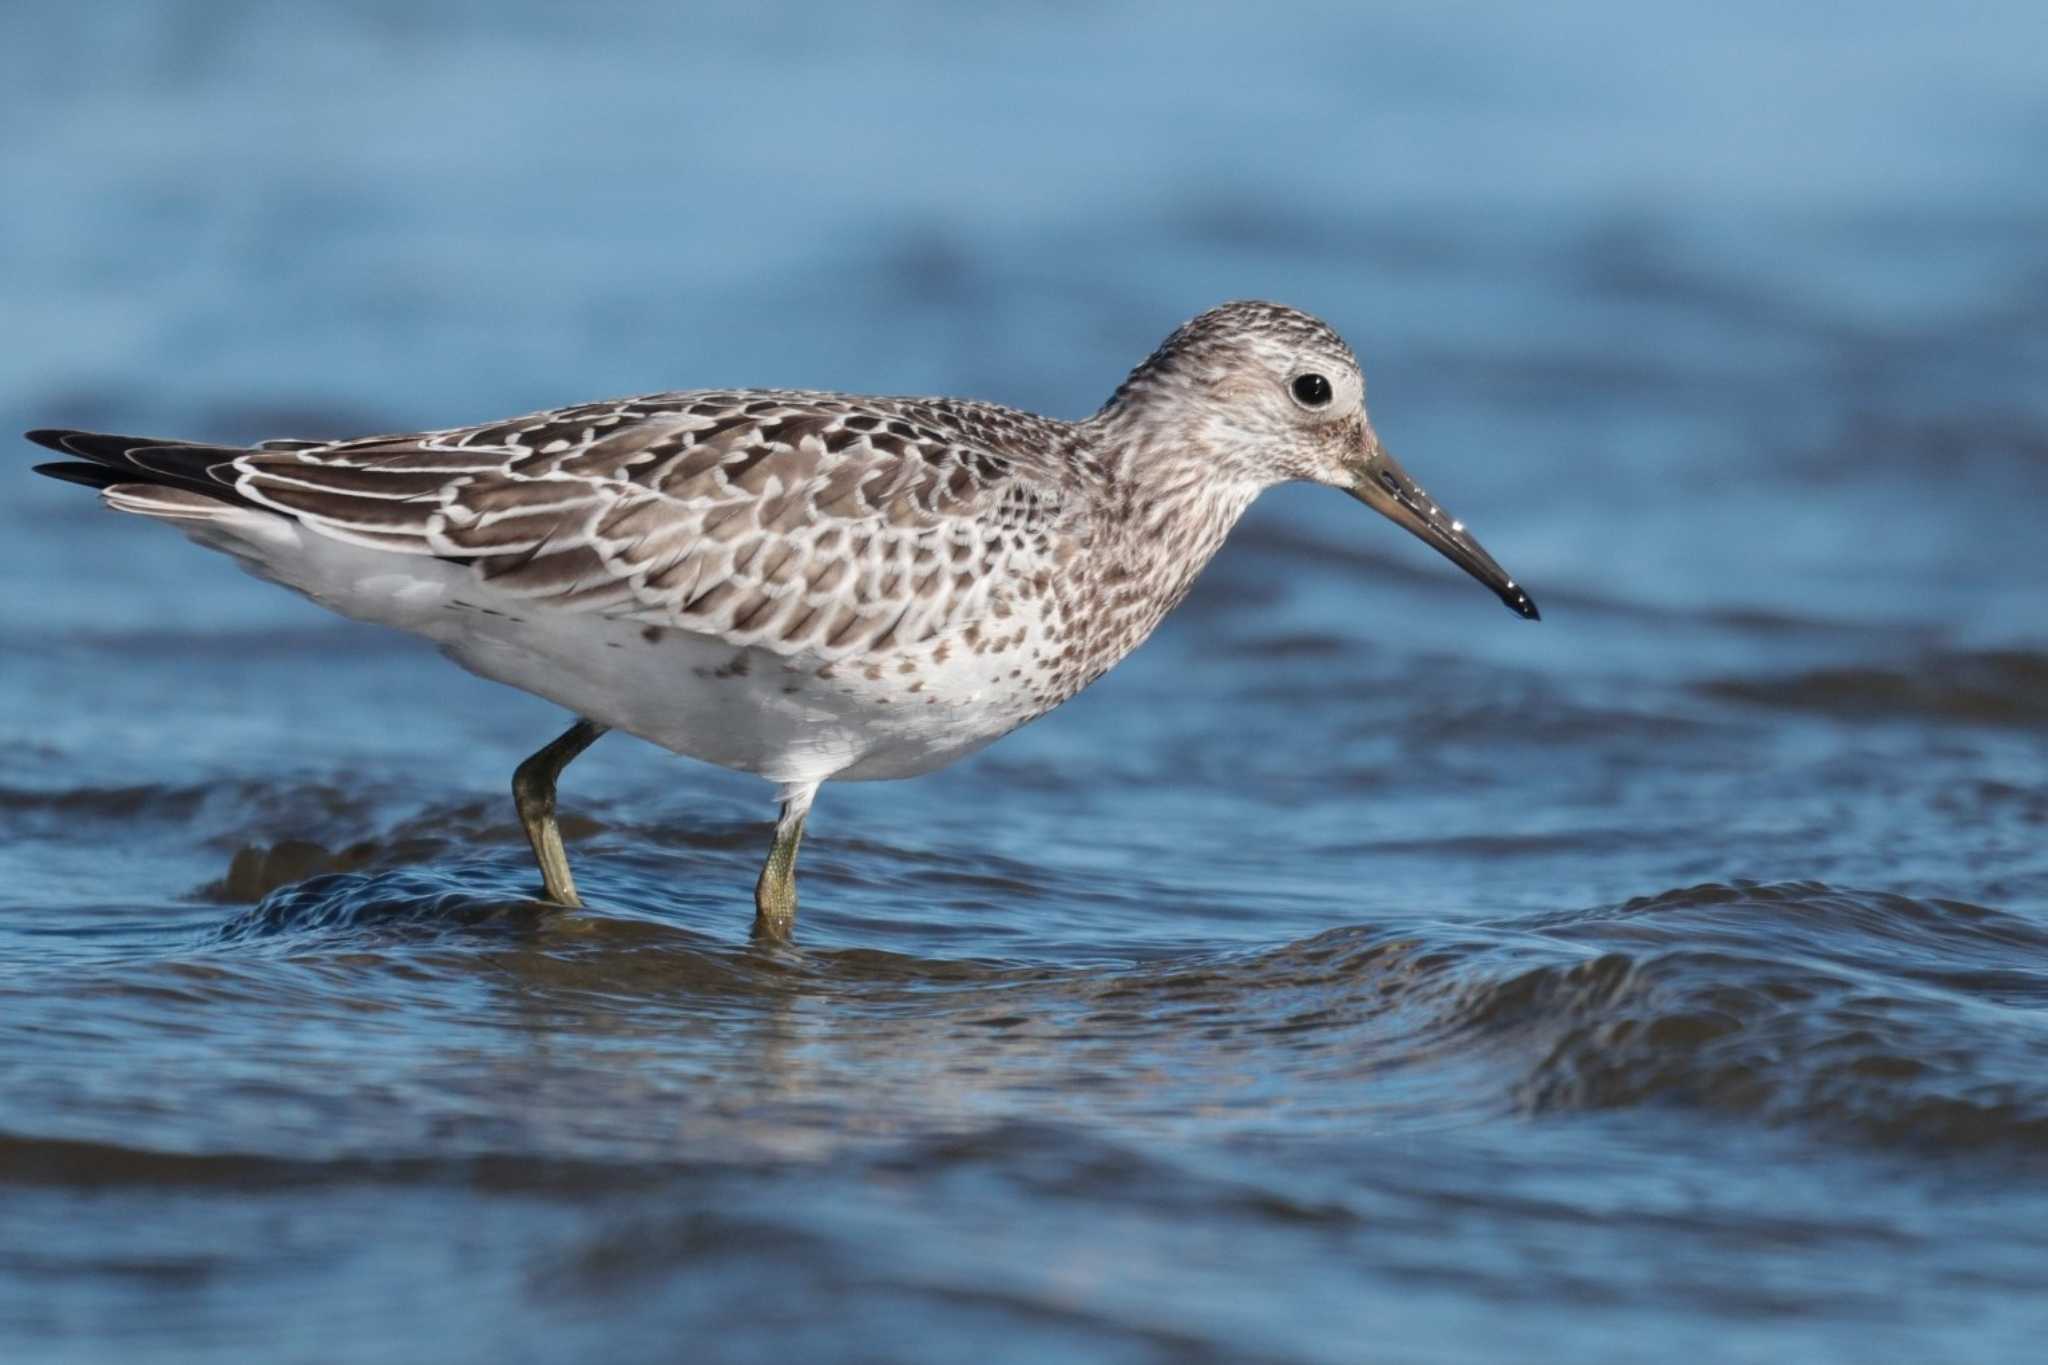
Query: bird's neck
[[1171, 501], [1173, 475]]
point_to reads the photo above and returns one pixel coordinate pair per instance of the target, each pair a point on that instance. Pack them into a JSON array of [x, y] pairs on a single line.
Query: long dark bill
[[1386, 488]]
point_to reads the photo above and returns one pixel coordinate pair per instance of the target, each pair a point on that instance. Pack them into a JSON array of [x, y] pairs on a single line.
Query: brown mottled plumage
[[803, 585]]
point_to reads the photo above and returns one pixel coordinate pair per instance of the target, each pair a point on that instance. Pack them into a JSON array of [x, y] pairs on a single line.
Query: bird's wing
[[801, 523]]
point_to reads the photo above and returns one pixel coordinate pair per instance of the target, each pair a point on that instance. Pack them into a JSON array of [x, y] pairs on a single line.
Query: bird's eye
[[1311, 390]]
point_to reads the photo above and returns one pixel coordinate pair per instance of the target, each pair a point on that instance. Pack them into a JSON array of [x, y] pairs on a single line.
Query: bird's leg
[[775, 893], [533, 791]]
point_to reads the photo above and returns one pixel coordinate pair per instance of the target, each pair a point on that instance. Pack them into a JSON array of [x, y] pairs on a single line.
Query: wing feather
[[799, 522]]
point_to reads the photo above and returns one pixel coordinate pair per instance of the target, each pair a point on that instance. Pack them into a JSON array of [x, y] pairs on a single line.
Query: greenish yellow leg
[[533, 791], [775, 893]]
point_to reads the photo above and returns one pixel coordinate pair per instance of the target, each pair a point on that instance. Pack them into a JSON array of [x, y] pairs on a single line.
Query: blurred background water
[[1354, 974]]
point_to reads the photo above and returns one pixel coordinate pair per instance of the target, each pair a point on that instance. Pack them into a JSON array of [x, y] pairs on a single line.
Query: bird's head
[[1273, 395]]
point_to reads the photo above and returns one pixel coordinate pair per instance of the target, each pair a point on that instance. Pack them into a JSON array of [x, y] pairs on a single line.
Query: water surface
[[1355, 973]]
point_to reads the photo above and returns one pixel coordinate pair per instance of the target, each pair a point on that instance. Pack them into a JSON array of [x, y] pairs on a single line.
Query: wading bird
[[806, 586]]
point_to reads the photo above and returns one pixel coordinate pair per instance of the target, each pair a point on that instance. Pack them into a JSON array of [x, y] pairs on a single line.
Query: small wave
[[1991, 687], [1905, 1021], [84, 1164], [1898, 1021], [257, 870], [1895, 1020], [1385, 560], [159, 800], [438, 900]]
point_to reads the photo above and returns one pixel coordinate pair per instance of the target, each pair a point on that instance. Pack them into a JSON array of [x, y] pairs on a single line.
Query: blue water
[[1355, 973]]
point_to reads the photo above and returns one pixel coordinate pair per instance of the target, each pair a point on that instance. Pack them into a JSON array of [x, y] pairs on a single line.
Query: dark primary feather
[[91, 475], [141, 459]]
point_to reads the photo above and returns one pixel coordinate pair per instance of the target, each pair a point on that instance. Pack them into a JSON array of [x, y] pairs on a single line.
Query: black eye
[[1311, 390]]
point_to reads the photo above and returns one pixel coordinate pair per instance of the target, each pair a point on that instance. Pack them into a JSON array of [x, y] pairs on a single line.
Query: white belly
[[789, 719]]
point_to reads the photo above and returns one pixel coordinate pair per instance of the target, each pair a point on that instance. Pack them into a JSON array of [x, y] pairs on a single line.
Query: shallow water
[[1354, 973]]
